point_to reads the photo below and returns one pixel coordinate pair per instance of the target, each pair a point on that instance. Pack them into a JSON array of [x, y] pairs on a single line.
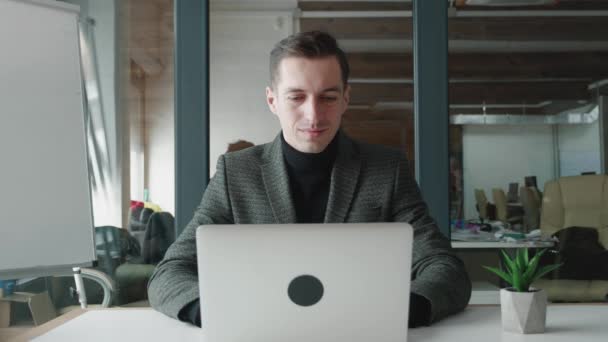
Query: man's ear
[[347, 94], [271, 100]]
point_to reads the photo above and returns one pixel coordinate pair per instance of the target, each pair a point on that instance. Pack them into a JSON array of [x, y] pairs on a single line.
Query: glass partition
[[524, 127]]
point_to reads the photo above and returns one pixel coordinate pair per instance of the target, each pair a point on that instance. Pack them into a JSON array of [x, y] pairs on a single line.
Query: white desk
[[479, 323], [484, 292], [565, 323]]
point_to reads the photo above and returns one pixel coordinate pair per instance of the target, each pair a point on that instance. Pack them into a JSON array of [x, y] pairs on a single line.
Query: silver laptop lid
[[305, 282]]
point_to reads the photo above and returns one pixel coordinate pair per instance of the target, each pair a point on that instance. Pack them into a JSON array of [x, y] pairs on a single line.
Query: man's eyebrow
[[293, 90], [298, 90], [338, 89]]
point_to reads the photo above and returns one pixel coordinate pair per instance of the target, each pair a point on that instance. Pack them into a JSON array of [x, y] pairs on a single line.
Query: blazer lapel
[[344, 179], [276, 182]]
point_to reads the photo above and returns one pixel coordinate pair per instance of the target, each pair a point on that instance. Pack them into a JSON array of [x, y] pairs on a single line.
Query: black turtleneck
[[309, 179]]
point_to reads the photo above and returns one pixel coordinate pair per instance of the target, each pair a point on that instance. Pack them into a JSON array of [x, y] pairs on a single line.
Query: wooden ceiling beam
[[469, 28], [364, 114], [498, 111], [353, 115], [371, 93], [475, 93], [517, 92], [566, 5], [360, 28], [590, 65], [407, 115], [529, 28], [354, 6]]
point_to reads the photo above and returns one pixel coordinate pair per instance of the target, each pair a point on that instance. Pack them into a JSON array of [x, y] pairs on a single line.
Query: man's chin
[[309, 147]]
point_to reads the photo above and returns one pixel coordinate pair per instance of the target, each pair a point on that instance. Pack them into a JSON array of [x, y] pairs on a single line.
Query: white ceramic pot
[[523, 312]]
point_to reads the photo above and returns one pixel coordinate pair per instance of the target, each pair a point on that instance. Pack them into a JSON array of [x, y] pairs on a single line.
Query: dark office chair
[[132, 276], [511, 214], [160, 234], [138, 218], [486, 210], [531, 204], [113, 247], [512, 195], [530, 181]]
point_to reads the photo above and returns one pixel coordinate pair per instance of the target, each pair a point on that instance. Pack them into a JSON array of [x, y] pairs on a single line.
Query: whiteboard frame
[[52, 4]]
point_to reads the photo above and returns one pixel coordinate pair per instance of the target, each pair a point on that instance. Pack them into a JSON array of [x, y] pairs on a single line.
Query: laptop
[[305, 282]]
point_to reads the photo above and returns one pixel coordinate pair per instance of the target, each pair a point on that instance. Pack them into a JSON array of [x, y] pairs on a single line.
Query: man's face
[[309, 99]]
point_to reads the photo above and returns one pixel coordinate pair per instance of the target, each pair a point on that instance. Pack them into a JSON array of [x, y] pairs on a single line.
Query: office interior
[[527, 103]]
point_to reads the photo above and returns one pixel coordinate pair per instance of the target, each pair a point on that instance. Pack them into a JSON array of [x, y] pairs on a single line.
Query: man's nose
[[313, 111]]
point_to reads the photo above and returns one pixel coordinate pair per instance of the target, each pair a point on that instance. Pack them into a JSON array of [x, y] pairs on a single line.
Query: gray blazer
[[369, 183]]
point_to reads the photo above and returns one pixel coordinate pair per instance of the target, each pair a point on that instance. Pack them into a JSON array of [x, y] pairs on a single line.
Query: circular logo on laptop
[[305, 290]]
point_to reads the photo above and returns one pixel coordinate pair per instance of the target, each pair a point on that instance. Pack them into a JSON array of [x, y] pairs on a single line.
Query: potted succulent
[[523, 308]]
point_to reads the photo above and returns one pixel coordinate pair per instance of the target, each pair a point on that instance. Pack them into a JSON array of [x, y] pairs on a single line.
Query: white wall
[[579, 148], [240, 45], [136, 143], [160, 121], [496, 155]]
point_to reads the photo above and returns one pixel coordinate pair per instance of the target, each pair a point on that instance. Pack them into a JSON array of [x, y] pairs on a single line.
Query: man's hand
[[420, 311], [191, 313]]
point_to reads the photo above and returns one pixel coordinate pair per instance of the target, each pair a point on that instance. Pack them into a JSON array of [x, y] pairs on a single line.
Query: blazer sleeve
[[174, 282], [437, 273]]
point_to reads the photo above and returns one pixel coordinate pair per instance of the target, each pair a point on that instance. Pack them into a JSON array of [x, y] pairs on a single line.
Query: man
[[312, 172]]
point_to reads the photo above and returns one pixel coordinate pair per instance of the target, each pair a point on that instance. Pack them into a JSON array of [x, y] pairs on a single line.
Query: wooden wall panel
[[361, 28], [367, 114], [471, 28], [393, 134], [306, 5], [396, 132], [529, 28], [370, 93], [460, 4], [475, 93], [517, 92], [354, 6], [559, 5], [490, 66]]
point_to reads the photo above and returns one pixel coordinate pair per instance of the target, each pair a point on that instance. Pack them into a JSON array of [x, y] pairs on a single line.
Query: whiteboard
[[46, 217], [574, 163]]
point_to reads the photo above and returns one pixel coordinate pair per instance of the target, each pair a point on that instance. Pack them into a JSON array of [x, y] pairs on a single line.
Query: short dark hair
[[313, 44]]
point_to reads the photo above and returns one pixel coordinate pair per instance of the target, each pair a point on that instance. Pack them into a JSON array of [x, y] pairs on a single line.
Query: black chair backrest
[[160, 234], [530, 181], [512, 195], [112, 246]]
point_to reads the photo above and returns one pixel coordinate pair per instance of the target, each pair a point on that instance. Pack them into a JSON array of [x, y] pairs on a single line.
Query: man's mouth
[[313, 132]]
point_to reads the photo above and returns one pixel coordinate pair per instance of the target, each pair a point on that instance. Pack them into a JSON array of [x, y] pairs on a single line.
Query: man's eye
[[329, 98], [295, 98]]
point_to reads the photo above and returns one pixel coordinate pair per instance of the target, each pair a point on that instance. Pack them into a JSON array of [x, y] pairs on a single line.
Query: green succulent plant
[[520, 272]]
